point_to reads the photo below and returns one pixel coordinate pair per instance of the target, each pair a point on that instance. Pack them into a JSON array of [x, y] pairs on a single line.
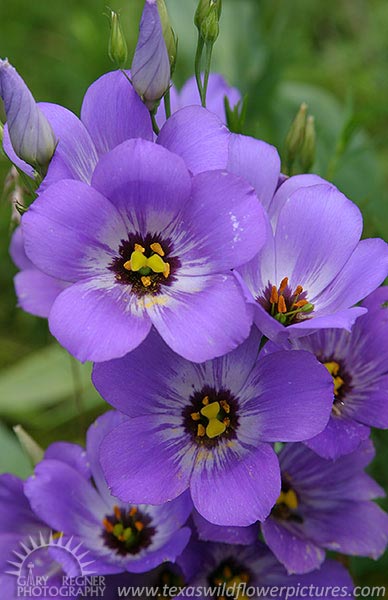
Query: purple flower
[[358, 363], [378, 300], [254, 572], [151, 69], [31, 135], [209, 426], [325, 505], [119, 537], [146, 245], [313, 268]]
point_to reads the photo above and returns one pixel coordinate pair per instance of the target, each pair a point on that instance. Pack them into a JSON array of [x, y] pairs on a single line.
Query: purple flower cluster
[[237, 328]]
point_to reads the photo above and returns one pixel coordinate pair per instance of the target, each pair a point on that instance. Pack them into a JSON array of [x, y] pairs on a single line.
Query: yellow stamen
[[195, 416], [128, 265], [156, 247], [289, 498], [225, 406], [139, 525], [300, 303], [205, 401], [283, 285], [139, 248], [298, 290], [282, 308], [108, 525], [146, 281], [117, 512], [226, 422], [133, 511], [201, 432], [167, 270], [333, 367], [274, 295]]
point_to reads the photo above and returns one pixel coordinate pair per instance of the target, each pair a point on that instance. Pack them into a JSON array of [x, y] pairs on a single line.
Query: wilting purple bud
[[151, 68], [31, 135]]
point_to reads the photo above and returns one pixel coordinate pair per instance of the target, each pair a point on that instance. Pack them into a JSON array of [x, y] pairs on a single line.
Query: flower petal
[[341, 436], [297, 554], [229, 535], [231, 486], [256, 162], [98, 324], [192, 314], [146, 183], [222, 227], [290, 393], [72, 232], [217, 91], [287, 188], [199, 137], [113, 112], [317, 231], [36, 291], [146, 460]]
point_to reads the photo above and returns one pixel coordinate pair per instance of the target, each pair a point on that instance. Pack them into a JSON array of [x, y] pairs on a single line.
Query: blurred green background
[[333, 55]]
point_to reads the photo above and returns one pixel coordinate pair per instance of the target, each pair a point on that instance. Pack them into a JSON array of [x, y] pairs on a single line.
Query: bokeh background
[[332, 54]]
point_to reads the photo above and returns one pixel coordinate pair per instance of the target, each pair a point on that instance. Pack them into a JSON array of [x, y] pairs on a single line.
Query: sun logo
[[30, 557]]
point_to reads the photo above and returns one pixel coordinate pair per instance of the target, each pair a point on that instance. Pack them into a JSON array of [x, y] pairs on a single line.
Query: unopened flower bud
[[31, 448], [151, 70], [296, 134], [31, 134], [168, 34], [207, 19], [307, 153], [117, 48]]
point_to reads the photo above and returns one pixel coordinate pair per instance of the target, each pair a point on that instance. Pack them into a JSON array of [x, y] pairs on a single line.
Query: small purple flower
[[31, 135], [254, 572], [151, 69], [358, 363], [146, 245], [313, 268], [119, 537], [325, 505], [209, 426], [378, 300]]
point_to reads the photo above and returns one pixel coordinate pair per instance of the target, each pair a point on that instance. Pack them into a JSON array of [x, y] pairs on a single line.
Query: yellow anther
[[225, 406], [282, 307], [227, 572], [226, 422], [205, 400], [215, 428], [138, 261], [133, 511], [128, 265], [139, 248], [156, 247], [117, 512], [108, 525], [201, 432], [146, 281], [210, 411], [283, 284], [338, 383], [289, 498], [195, 416], [166, 271]]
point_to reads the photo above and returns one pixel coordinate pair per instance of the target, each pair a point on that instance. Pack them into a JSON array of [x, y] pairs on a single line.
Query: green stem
[[167, 104], [154, 123], [77, 388], [198, 57], [209, 52]]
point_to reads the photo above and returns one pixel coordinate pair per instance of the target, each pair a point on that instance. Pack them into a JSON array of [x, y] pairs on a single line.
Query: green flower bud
[[295, 136], [31, 448], [170, 38], [207, 19], [117, 47], [307, 153]]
